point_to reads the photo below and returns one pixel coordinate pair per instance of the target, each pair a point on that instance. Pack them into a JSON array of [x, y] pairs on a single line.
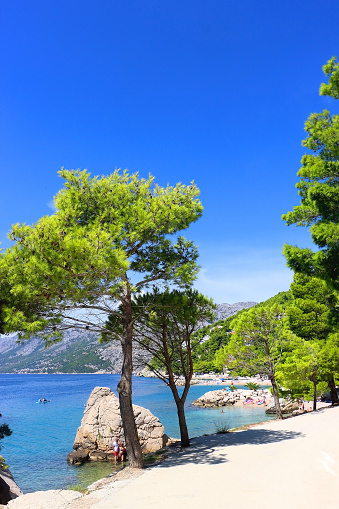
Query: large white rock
[[102, 423]]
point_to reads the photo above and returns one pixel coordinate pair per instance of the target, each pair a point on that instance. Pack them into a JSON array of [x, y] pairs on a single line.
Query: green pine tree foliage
[[110, 238], [206, 342], [164, 324], [212, 358], [258, 343], [309, 314], [318, 188], [307, 361], [105, 229]]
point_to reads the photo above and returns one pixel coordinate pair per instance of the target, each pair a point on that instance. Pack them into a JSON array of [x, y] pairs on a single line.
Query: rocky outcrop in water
[[222, 397], [102, 423]]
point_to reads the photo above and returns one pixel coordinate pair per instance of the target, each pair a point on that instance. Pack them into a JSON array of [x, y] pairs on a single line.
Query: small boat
[[43, 400]]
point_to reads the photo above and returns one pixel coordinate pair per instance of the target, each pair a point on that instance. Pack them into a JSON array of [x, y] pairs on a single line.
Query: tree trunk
[[125, 389], [180, 402], [314, 391], [185, 441], [333, 391], [276, 397]]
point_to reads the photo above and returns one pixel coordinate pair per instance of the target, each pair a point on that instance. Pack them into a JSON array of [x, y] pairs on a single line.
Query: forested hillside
[[209, 339], [79, 352]]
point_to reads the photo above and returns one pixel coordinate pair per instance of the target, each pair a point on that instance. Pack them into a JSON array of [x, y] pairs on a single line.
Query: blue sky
[[216, 92]]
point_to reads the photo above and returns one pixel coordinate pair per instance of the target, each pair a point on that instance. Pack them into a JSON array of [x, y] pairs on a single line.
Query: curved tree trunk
[[333, 392], [180, 403], [314, 391], [185, 441], [276, 397], [125, 389]]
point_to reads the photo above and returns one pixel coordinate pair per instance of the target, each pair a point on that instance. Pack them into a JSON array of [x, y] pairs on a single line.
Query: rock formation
[[287, 406], [102, 423], [9, 490], [222, 397]]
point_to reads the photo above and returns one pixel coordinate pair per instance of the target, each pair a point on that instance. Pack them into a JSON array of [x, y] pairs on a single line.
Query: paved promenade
[[292, 463]]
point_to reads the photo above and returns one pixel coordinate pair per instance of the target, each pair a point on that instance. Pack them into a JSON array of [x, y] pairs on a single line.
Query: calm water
[[43, 434]]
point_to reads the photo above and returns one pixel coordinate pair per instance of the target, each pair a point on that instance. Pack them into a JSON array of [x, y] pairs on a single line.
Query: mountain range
[[78, 352]]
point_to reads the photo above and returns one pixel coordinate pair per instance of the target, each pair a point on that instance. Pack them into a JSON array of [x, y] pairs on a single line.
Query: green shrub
[[252, 386], [222, 427]]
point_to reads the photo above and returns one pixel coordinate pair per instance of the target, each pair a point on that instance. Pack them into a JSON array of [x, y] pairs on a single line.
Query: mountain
[[224, 311], [79, 352]]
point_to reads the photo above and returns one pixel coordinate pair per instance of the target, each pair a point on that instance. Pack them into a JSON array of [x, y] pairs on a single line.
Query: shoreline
[[272, 454], [196, 380]]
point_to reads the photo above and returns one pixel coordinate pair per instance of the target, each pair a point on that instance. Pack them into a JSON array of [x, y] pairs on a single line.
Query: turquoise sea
[[43, 434]]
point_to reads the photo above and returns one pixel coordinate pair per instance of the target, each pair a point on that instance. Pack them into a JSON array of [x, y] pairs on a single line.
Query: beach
[[290, 463]]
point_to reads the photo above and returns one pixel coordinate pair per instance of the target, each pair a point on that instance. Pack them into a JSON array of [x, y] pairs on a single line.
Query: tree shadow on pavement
[[212, 449]]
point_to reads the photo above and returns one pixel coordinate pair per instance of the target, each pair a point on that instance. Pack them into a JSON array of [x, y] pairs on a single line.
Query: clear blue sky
[[215, 92]]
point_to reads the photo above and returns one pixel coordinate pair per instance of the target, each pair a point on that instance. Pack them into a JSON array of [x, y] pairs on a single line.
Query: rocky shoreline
[[250, 398], [227, 397]]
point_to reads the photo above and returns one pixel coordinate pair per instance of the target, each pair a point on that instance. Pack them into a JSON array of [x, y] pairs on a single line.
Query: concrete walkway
[[292, 463]]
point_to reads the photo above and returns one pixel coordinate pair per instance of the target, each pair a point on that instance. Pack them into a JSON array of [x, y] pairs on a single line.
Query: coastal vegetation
[[318, 191], [257, 345], [312, 357], [107, 241], [164, 328], [315, 314], [209, 341], [101, 262]]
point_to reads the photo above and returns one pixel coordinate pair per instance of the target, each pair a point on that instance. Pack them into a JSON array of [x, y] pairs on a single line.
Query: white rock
[[102, 423]]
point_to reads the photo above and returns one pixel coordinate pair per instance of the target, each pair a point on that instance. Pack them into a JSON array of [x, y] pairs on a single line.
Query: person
[[248, 401], [122, 452], [115, 447]]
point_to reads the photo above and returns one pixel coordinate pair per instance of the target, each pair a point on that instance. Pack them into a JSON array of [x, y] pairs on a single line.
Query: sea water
[[43, 434]]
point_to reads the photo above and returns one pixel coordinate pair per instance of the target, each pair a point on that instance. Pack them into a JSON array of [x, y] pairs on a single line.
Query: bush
[[233, 388], [222, 427], [252, 386]]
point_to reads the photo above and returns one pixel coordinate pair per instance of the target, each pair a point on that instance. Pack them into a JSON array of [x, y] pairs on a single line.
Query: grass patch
[[222, 427], [77, 487], [155, 457]]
